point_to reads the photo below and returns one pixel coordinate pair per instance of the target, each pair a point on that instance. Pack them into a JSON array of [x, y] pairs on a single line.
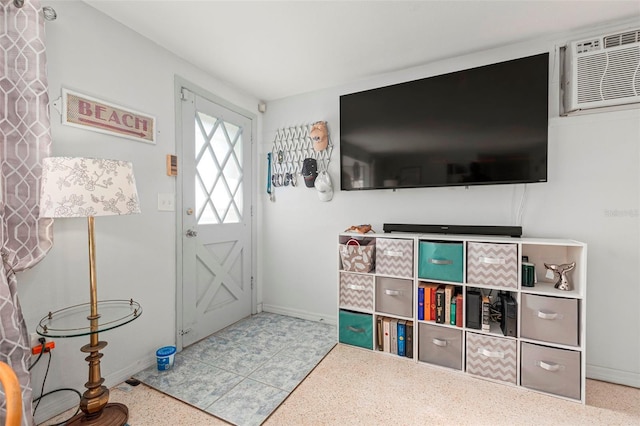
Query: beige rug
[[354, 386]]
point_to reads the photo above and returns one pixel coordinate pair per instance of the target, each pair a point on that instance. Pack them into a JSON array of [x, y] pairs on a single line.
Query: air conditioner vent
[[602, 71], [621, 39]]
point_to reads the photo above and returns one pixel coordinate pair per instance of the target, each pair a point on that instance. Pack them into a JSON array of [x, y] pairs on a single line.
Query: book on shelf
[[440, 305], [393, 336], [427, 290], [386, 338], [402, 327], [429, 294], [432, 301], [459, 311], [420, 302], [449, 291], [453, 310], [486, 313], [409, 340], [379, 333], [528, 274]]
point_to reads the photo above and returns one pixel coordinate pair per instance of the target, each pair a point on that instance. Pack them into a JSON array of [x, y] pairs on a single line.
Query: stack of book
[[441, 303], [394, 336], [486, 313]]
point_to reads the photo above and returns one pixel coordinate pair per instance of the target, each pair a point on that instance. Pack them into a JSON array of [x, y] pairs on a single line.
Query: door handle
[[191, 233]]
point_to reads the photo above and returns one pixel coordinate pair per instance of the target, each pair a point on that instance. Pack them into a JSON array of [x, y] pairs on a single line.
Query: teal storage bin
[[356, 329], [441, 261]]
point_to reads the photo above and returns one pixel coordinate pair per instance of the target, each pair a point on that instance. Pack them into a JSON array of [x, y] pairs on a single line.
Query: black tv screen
[[485, 125]]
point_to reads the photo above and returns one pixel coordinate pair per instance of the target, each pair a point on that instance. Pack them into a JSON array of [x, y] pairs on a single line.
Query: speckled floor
[[356, 386]]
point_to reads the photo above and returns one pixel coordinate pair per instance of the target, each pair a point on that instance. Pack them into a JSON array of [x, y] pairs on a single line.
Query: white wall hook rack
[[291, 145]]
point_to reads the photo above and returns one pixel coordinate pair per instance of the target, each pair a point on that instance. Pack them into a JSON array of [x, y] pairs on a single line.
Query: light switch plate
[[166, 202]]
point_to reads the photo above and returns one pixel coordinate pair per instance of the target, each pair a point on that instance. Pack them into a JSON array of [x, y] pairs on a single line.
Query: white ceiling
[[275, 49]]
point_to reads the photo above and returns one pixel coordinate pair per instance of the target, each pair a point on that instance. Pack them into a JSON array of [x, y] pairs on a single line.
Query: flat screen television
[[484, 125]]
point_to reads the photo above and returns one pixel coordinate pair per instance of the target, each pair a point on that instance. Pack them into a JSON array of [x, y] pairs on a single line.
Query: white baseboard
[[312, 316], [60, 402], [611, 375]]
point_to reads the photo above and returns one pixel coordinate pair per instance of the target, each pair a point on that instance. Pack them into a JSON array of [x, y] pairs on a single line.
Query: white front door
[[216, 217]]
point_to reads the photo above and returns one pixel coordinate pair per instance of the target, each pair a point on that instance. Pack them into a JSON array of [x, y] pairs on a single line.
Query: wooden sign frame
[[93, 114]]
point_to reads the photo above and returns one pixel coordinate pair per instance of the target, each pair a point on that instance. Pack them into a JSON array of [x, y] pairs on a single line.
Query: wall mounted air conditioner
[[602, 71]]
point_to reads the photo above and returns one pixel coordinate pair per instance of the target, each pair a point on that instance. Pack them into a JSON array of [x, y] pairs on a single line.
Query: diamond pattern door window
[[219, 183]]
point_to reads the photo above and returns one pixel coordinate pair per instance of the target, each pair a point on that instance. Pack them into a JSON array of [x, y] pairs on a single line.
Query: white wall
[[96, 56], [592, 195]]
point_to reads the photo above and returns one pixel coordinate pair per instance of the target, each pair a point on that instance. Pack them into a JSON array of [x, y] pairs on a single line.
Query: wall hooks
[[291, 145]]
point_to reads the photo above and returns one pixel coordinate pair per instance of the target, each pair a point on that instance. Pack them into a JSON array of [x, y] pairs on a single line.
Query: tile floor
[[243, 373]]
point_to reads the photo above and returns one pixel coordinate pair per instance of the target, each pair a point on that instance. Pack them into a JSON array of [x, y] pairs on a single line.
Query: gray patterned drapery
[[26, 140]]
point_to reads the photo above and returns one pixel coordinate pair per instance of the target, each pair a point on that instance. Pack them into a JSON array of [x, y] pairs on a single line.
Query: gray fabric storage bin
[[551, 370], [440, 345], [394, 296], [550, 319]]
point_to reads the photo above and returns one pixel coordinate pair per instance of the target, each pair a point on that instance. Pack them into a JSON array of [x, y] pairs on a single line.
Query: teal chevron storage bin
[[441, 261], [356, 329]]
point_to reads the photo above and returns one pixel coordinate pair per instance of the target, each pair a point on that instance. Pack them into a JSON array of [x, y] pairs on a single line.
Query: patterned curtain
[[26, 140]]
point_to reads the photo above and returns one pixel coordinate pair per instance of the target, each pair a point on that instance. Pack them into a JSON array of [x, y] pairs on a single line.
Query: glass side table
[[74, 321], [78, 320]]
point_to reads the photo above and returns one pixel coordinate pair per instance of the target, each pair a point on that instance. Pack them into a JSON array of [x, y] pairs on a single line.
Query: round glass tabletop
[[74, 320]]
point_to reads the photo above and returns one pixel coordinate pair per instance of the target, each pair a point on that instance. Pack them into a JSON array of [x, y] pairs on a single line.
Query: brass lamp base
[[113, 414]]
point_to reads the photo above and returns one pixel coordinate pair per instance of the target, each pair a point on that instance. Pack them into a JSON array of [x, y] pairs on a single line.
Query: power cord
[[42, 351], [495, 311], [64, 422], [46, 373], [42, 394], [495, 314]]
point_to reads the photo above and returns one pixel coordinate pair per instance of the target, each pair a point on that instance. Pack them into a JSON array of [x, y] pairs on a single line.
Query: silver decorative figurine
[[561, 272]]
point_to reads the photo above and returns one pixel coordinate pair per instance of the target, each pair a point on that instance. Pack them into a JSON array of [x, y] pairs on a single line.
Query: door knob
[[191, 233]]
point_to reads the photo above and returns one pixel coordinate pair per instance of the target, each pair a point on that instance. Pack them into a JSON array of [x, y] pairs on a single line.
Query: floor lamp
[[89, 187]]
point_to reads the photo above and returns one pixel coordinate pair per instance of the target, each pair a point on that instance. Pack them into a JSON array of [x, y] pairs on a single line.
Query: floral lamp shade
[[86, 187]]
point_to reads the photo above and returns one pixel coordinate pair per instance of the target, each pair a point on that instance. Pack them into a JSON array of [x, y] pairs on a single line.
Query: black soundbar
[[505, 231]]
